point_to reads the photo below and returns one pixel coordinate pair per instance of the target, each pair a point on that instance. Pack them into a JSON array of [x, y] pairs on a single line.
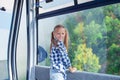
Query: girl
[[59, 58]]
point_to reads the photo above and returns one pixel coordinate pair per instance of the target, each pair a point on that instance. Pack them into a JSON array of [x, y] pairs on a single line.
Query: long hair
[[65, 39]]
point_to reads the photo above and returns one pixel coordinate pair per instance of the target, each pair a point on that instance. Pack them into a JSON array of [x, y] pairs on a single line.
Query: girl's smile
[[59, 34]]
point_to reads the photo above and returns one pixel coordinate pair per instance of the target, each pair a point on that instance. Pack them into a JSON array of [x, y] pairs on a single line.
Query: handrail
[[13, 37], [42, 73]]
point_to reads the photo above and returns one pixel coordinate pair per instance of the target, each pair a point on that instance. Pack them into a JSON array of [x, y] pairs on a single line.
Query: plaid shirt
[[59, 58]]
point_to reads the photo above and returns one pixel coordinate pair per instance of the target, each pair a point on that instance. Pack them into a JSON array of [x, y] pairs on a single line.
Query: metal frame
[[77, 7], [32, 37], [13, 38], [37, 12], [28, 37]]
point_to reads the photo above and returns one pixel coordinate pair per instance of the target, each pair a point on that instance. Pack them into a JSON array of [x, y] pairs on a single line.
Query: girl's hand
[[72, 69]]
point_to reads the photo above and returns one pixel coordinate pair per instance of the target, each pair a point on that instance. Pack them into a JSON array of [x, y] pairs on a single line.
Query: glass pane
[[94, 44], [54, 5], [83, 1], [5, 23]]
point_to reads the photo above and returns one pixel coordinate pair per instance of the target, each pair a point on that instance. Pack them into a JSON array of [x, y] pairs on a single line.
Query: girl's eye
[[58, 33]]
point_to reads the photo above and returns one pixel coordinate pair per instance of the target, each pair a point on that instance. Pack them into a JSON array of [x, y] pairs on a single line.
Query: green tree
[[113, 30], [79, 32], [95, 39], [71, 23], [113, 57], [112, 21], [85, 60], [98, 28], [93, 33]]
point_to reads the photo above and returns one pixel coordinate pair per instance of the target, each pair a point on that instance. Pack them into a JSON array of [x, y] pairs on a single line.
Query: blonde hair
[[65, 40]]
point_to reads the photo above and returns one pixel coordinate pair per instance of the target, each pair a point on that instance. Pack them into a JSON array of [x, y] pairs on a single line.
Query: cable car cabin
[[93, 46]]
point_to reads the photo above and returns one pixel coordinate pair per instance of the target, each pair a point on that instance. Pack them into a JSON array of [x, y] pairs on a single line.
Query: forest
[[94, 39]]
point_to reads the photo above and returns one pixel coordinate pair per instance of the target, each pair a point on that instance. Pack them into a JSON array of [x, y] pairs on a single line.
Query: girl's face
[[59, 34]]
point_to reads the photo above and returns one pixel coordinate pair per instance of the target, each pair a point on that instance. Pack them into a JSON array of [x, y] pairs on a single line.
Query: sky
[[4, 32], [5, 16], [5, 21]]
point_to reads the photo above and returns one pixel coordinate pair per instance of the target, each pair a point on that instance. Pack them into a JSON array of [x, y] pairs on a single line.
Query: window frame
[[76, 7]]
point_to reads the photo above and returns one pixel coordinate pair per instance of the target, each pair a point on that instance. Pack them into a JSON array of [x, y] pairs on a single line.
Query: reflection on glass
[[5, 21], [54, 5], [83, 1], [94, 38]]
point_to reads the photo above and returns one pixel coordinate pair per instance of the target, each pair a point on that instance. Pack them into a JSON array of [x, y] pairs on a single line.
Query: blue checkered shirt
[[59, 58]]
